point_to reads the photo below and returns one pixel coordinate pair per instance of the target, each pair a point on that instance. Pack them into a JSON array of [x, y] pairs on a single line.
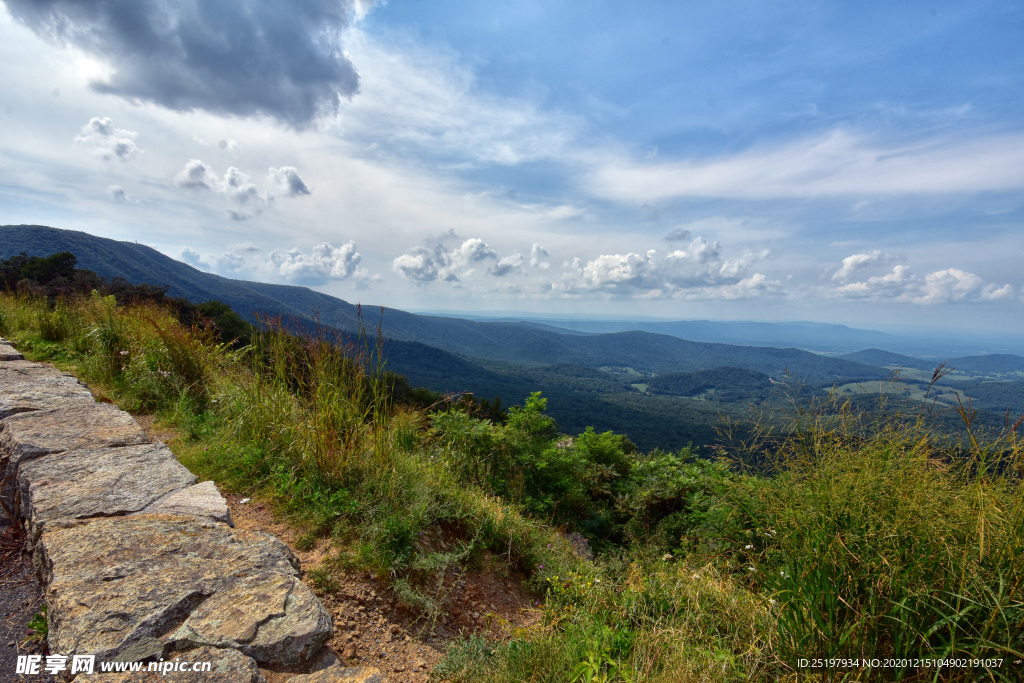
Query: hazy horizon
[[858, 165]]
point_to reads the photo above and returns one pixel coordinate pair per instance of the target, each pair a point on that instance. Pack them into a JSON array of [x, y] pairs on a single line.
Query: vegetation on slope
[[870, 536]]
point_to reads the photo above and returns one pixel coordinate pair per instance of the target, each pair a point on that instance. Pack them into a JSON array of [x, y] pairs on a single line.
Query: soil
[[374, 627], [20, 599]]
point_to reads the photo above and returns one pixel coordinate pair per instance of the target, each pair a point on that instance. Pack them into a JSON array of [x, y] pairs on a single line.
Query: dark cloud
[[240, 57]]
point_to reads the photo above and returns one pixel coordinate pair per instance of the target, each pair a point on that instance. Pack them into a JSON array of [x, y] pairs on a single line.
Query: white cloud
[[196, 175], [118, 194], [537, 256], [233, 261], [287, 178], [236, 186], [950, 285], [326, 262], [509, 264], [697, 271], [107, 141], [839, 164], [424, 98], [953, 284], [857, 262], [435, 262], [891, 285]]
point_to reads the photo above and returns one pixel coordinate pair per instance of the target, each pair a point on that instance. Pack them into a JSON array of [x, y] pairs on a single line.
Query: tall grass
[[881, 539]]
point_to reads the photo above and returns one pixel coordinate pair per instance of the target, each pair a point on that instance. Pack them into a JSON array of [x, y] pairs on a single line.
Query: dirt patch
[[20, 599], [374, 627], [154, 432]]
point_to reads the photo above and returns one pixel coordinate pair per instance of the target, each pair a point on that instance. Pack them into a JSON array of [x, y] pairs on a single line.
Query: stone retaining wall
[[137, 559]]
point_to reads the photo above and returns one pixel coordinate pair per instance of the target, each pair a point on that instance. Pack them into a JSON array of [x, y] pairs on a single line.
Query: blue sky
[[844, 162]]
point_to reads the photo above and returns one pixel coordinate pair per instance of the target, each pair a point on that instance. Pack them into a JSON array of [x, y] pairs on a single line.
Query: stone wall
[[137, 559]]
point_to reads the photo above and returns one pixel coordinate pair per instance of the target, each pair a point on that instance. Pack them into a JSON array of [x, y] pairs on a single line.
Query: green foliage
[[38, 628]]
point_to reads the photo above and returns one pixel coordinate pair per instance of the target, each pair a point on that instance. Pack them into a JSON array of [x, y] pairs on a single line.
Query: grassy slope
[[873, 537]]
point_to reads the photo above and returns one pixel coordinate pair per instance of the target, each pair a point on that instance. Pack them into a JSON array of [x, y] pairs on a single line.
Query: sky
[[859, 163]]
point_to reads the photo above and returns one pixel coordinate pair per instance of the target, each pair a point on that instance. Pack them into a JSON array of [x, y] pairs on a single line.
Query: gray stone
[[274, 618], [101, 482], [201, 500], [352, 674], [29, 368], [27, 436], [22, 391], [143, 650], [8, 352], [113, 581], [226, 666]]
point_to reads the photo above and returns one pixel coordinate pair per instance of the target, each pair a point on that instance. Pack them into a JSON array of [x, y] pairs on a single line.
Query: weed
[[38, 628]]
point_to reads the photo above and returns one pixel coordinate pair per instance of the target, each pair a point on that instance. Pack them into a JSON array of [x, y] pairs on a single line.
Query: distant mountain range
[[593, 372], [506, 342]]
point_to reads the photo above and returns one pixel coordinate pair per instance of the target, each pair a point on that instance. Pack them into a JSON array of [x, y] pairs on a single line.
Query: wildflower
[[747, 547], [124, 353], [540, 567], [751, 568]]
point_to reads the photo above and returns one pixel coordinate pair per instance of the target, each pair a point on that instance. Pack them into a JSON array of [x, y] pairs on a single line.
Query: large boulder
[[274, 618], [111, 582]]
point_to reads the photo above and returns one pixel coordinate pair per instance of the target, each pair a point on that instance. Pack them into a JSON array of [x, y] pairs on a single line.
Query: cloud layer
[[951, 285], [240, 57]]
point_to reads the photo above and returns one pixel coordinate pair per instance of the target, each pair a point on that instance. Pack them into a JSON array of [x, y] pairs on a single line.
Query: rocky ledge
[[139, 561]]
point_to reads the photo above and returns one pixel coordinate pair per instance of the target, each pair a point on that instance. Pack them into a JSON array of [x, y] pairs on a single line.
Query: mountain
[[991, 363], [888, 359], [506, 342], [826, 338]]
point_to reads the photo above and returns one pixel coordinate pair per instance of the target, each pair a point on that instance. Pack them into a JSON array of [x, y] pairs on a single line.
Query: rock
[[201, 500], [226, 666], [580, 546], [143, 650], [32, 386], [357, 674], [27, 436], [273, 618], [101, 482], [349, 652], [8, 352], [111, 582]]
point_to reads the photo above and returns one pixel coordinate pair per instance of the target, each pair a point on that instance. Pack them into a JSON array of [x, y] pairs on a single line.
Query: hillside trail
[[372, 625]]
